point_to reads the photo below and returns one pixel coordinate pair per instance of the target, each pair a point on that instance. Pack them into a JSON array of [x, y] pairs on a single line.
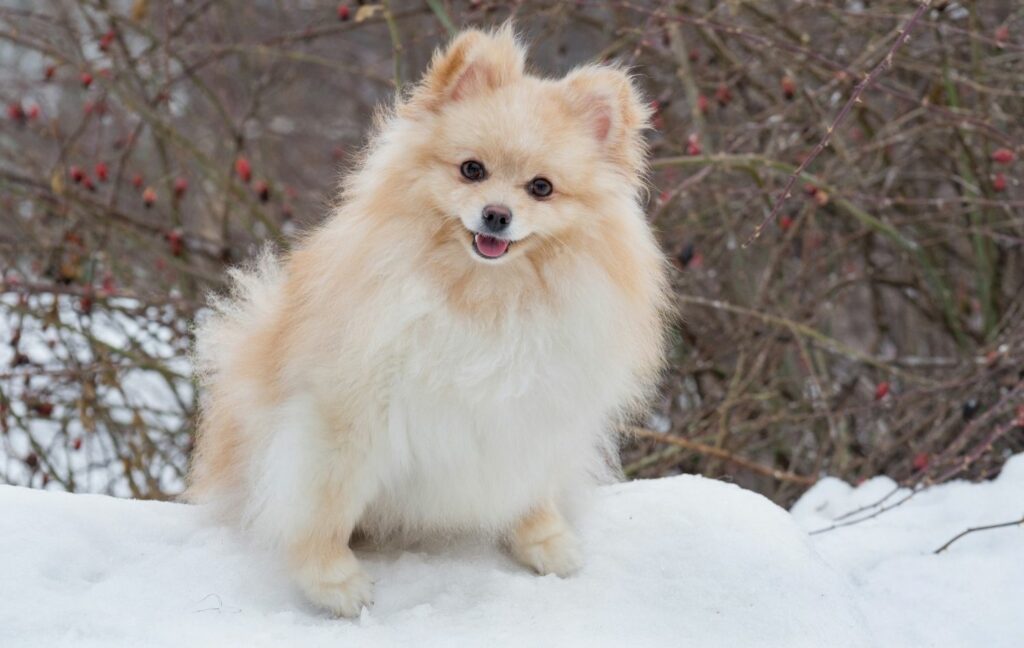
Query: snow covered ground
[[972, 594], [682, 561]]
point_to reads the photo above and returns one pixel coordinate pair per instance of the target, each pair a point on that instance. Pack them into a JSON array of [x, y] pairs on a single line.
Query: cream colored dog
[[453, 349]]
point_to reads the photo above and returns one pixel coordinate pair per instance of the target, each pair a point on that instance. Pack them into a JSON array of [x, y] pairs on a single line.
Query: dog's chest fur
[[482, 422]]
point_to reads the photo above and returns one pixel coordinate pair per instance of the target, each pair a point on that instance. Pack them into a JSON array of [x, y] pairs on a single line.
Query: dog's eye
[[473, 170], [540, 187]]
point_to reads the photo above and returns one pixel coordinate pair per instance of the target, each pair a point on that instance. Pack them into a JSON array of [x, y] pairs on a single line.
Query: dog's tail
[[253, 297], [222, 360]]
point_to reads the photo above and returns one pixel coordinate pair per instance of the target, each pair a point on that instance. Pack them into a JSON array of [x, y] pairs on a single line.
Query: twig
[[878, 512], [442, 16], [396, 44], [987, 527], [858, 90], [725, 455]]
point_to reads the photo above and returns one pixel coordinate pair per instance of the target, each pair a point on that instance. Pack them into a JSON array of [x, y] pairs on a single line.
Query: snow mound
[[671, 562], [969, 595]]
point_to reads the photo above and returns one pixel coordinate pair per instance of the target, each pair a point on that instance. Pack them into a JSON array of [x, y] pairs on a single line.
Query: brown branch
[[971, 530], [725, 455], [883, 509]]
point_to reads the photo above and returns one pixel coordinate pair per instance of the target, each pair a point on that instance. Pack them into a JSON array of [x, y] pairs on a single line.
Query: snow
[[969, 595], [681, 561], [671, 562]]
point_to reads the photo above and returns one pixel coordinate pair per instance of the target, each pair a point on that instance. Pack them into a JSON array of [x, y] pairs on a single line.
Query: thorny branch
[[855, 97]]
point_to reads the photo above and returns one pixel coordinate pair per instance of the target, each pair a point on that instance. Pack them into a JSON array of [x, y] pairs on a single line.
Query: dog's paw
[[342, 592], [558, 554]]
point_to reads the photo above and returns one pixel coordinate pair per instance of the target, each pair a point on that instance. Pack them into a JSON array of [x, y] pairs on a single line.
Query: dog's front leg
[[336, 493], [328, 572], [543, 541]]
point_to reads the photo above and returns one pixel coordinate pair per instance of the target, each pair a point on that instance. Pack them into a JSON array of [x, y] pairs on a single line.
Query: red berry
[[1019, 419], [149, 196], [1003, 156], [102, 172], [785, 222], [881, 390], [921, 460], [810, 189], [1002, 34], [85, 303], [343, 11], [137, 180], [693, 145], [788, 87], [106, 40], [43, 408], [175, 242], [86, 79], [703, 104], [87, 183], [76, 174], [262, 190], [723, 95], [50, 71], [33, 111], [15, 111], [656, 119], [999, 182], [180, 186], [108, 287], [76, 443], [243, 168], [694, 55]]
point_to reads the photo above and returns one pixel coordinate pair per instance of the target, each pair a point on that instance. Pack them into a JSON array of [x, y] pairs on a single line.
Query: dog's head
[[510, 162]]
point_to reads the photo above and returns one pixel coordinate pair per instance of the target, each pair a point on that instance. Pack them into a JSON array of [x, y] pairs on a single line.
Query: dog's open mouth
[[490, 247]]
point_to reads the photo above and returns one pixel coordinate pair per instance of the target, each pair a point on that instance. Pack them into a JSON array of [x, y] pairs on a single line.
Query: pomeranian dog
[[454, 349]]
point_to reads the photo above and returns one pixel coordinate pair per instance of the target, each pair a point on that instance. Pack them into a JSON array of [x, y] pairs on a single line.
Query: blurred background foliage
[[875, 326]]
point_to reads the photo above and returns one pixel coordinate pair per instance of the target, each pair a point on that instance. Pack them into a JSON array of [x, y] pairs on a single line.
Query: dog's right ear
[[474, 63]]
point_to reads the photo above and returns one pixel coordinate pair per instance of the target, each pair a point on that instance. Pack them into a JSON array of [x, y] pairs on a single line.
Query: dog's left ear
[[475, 63], [613, 109]]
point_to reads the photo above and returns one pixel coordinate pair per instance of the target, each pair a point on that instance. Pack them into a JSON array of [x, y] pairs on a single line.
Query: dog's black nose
[[497, 217]]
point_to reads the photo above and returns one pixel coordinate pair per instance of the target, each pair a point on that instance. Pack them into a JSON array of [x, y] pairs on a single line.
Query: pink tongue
[[490, 246]]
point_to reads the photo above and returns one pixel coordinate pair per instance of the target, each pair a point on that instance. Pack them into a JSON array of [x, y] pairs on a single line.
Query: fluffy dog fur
[[386, 379]]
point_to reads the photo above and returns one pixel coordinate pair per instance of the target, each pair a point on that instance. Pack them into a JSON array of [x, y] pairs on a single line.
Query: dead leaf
[[139, 10], [57, 181], [366, 12]]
